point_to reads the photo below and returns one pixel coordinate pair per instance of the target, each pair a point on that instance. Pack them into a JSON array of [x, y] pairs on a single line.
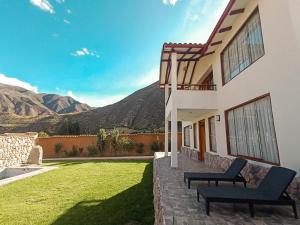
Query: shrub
[[114, 135], [155, 146], [140, 147], [58, 147], [74, 151], [125, 144], [92, 150], [101, 139], [80, 151], [66, 153], [43, 134]]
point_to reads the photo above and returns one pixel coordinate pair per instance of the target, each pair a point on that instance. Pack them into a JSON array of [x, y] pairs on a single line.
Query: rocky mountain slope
[[141, 111], [17, 101]]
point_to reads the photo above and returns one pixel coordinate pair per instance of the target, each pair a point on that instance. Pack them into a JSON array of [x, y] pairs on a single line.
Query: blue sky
[[97, 51]]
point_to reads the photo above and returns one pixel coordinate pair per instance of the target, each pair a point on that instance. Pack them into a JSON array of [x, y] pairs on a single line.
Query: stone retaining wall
[[190, 152], [16, 149], [157, 195]]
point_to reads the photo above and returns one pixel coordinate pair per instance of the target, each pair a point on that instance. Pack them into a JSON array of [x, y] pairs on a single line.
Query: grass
[[93, 192]]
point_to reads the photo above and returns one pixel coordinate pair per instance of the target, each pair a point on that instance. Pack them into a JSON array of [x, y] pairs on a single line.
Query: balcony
[[200, 98]]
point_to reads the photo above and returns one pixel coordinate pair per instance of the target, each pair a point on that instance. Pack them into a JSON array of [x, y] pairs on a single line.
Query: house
[[238, 94]]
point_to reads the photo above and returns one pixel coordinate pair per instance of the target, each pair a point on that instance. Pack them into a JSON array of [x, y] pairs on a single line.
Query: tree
[[101, 139], [114, 134]]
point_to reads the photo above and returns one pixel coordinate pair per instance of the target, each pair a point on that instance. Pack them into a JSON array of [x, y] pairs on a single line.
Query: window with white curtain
[[244, 49], [251, 131], [212, 134], [187, 138]]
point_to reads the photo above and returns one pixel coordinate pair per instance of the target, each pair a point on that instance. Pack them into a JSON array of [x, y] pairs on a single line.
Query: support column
[[166, 121], [166, 137], [174, 132]]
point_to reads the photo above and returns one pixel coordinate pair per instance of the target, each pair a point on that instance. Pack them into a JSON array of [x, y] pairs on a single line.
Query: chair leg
[[198, 196], [217, 183], [295, 210], [184, 179], [233, 182], [245, 184], [207, 207], [251, 207], [189, 183], [209, 183]]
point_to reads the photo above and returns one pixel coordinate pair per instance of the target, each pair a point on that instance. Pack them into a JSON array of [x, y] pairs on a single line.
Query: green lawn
[[93, 192]]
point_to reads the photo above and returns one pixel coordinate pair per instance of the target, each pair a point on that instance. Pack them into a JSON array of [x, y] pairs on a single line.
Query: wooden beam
[[187, 68], [181, 60], [209, 53], [192, 75], [225, 29], [236, 11], [168, 69], [216, 43], [184, 52]]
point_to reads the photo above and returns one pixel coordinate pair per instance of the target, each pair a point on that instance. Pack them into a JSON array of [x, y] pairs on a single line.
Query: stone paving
[[175, 204]]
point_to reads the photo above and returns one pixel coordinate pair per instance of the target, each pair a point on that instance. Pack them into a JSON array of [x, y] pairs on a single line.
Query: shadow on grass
[[133, 206]]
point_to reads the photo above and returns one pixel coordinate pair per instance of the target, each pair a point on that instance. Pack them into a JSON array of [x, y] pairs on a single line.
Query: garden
[[89, 192]]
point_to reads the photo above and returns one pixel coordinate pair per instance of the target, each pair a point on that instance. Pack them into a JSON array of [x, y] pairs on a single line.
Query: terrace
[[176, 204]]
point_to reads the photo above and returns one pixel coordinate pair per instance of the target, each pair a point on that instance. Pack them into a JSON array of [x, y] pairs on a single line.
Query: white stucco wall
[[277, 73]]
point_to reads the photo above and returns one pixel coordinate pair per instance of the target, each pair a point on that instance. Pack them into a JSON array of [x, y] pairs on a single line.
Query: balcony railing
[[199, 87], [196, 87]]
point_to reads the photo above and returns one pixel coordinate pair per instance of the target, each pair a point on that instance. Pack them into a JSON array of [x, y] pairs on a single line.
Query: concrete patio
[[175, 204]]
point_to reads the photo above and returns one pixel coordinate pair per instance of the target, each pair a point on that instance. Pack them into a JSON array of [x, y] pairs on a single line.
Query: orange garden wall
[[83, 141]]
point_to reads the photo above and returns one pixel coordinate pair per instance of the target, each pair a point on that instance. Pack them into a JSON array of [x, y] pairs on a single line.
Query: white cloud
[[44, 5], [148, 78], [96, 100], [66, 21], [16, 82], [170, 2], [204, 16], [60, 1], [85, 52], [69, 11]]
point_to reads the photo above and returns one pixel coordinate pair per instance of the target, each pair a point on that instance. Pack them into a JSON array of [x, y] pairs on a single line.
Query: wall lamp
[[218, 118]]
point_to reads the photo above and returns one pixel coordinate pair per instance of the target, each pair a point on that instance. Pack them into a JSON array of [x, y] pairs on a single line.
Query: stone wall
[[190, 152], [16, 149], [157, 194]]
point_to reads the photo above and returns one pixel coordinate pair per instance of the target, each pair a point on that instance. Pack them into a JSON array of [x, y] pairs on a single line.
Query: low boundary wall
[[83, 141]]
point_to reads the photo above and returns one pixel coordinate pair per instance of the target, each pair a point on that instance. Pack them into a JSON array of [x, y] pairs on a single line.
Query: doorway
[[202, 139]]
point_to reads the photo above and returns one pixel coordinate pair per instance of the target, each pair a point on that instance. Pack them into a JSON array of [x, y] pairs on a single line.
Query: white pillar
[[166, 121], [166, 137], [174, 132]]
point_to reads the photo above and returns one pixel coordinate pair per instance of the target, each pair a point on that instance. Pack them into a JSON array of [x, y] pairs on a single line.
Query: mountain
[[21, 102], [141, 111]]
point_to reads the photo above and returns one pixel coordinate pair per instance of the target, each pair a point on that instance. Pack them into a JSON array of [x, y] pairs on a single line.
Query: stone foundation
[[253, 173], [16, 149], [190, 152], [157, 196]]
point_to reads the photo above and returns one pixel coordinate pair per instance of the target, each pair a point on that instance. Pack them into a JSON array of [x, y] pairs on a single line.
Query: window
[[195, 135], [212, 134], [187, 139], [251, 131], [244, 49]]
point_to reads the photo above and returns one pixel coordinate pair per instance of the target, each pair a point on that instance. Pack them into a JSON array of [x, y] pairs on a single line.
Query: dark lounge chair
[[271, 191], [233, 174]]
